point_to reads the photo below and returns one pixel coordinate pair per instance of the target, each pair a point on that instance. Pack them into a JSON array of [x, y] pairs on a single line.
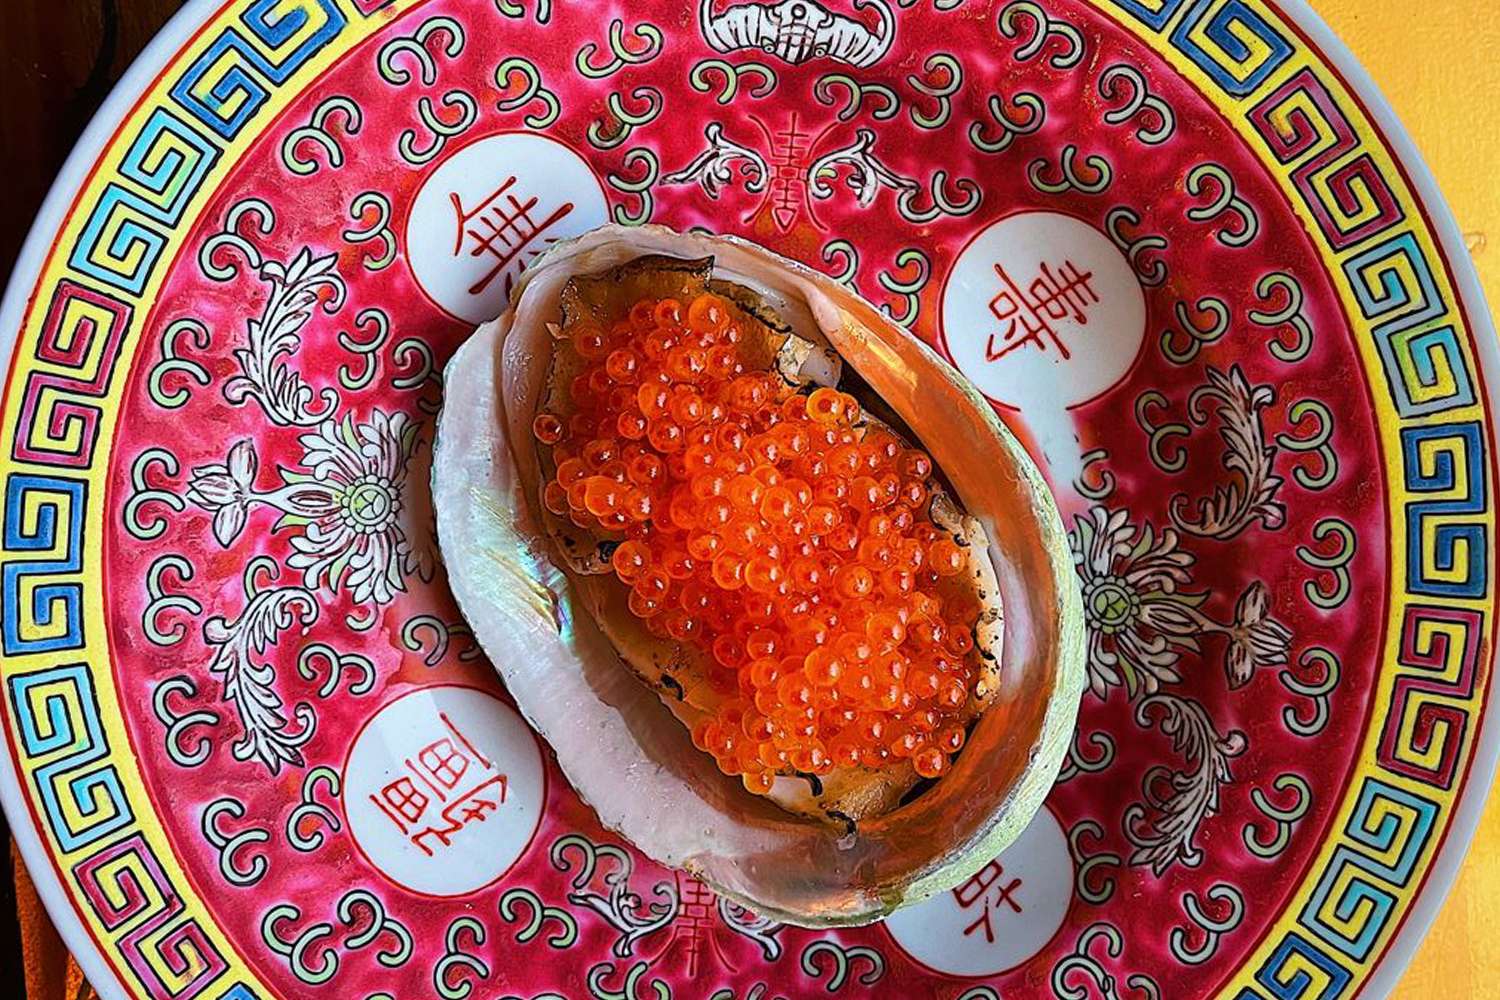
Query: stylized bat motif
[[798, 30]]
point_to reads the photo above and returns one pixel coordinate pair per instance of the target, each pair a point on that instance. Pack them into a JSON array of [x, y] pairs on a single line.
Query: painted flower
[[227, 490], [1140, 621], [1255, 639], [365, 521], [350, 505]]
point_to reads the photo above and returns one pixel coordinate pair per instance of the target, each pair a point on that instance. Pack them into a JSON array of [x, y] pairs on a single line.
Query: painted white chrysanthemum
[[350, 506], [1139, 621], [361, 504], [1140, 617]]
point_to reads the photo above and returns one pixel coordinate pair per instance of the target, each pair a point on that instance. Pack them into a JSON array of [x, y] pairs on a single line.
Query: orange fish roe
[[762, 526]]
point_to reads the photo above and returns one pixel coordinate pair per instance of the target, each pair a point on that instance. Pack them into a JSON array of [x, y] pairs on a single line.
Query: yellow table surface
[[1438, 62]]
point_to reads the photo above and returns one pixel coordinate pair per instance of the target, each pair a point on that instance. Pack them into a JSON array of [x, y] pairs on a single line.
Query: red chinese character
[[695, 925], [502, 228], [789, 174], [977, 888], [790, 152], [451, 765], [473, 752], [485, 798], [443, 762], [474, 805], [1030, 313], [401, 799]]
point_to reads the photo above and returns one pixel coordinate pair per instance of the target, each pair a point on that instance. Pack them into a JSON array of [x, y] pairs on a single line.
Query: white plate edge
[[143, 71]]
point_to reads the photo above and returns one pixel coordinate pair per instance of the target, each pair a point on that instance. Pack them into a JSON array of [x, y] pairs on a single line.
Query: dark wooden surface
[[58, 61]]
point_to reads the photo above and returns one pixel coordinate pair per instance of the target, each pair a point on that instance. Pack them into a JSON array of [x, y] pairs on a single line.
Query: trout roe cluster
[[776, 532]]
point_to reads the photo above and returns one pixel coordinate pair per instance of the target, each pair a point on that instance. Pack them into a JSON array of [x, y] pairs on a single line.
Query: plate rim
[[40, 240], [132, 87], [1478, 783]]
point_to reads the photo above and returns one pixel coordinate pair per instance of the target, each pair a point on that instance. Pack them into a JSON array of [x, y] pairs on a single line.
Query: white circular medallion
[[488, 209], [1041, 311], [443, 789], [999, 918]]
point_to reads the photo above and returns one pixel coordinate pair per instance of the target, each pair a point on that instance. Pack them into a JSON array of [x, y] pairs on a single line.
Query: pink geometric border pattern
[[80, 345]]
